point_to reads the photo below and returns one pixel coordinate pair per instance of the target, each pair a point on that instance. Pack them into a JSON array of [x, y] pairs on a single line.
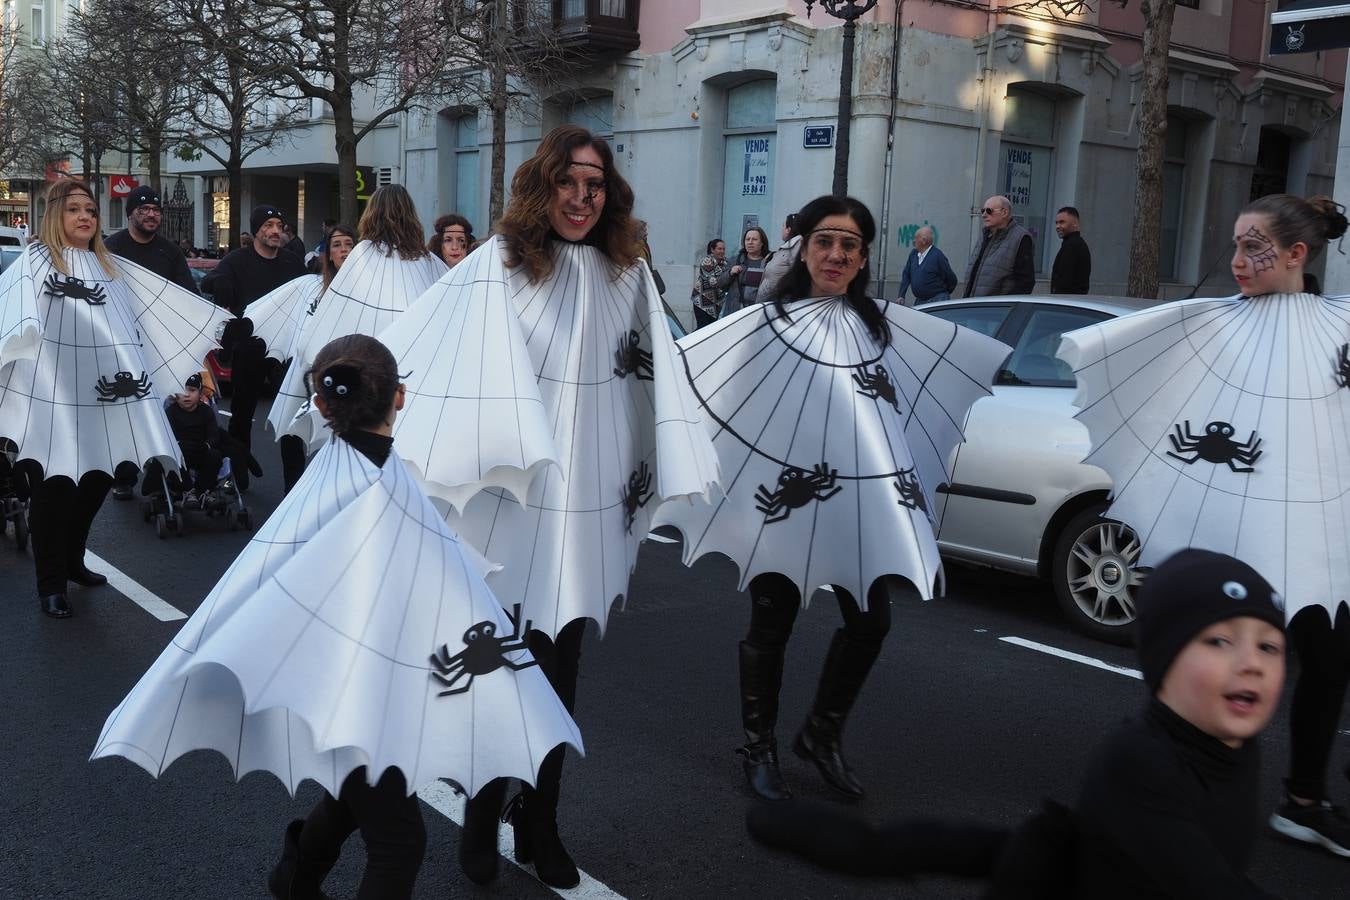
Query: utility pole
[[849, 11]]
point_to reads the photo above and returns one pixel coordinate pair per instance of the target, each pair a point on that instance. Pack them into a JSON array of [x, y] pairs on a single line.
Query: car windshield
[[1033, 360]]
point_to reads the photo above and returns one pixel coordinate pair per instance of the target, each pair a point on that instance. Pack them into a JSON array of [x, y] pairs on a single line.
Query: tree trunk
[[235, 169], [154, 150], [344, 137], [1145, 239], [498, 103]]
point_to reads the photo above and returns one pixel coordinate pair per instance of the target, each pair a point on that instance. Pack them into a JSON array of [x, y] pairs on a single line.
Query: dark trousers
[[1315, 713], [775, 602], [248, 370], [293, 457], [203, 465], [391, 825], [58, 522]]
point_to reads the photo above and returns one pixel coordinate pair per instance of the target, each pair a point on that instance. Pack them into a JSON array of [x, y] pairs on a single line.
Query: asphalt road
[[955, 722]]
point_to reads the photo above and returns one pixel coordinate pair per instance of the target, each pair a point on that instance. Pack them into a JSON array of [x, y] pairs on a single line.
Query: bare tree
[[232, 108], [1146, 227], [390, 52], [25, 146], [499, 51]]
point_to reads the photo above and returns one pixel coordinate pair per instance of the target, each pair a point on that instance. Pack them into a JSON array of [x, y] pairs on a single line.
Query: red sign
[[122, 185]]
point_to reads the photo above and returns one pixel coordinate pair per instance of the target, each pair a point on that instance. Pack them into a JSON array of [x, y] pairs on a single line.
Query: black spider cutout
[[877, 385], [631, 359], [910, 490], [1342, 373], [796, 488], [637, 493], [314, 305], [483, 654], [123, 386], [1216, 446], [76, 289]]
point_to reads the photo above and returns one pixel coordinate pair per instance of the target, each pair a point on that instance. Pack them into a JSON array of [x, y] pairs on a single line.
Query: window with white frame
[[37, 29]]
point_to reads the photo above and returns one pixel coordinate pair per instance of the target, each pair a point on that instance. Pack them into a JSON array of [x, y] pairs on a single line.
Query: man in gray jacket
[[1005, 260]]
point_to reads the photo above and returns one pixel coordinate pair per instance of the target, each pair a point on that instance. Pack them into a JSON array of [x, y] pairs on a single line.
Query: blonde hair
[[53, 232]]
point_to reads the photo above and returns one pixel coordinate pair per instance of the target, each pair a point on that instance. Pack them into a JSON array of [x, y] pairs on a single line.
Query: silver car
[[1021, 499]]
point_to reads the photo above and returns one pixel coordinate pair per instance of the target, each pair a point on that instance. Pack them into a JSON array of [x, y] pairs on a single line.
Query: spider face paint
[[578, 195], [834, 252], [1259, 265]]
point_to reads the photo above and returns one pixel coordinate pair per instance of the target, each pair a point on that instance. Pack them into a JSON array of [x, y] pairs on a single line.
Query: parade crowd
[[475, 433]]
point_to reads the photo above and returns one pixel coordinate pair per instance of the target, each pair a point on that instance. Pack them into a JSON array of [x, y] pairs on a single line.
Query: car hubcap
[[1102, 573]]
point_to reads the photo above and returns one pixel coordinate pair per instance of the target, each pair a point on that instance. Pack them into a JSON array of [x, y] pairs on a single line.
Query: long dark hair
[[797, 281], [524, 227], [391, 219]]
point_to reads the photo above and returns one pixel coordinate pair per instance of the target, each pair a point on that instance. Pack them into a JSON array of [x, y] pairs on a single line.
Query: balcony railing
[[597, 27]]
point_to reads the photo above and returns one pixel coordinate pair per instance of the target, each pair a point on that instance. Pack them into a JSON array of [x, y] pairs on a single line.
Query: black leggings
[[391, 825], [1315, 713], [59, 519], [560, 659], [775, 601]]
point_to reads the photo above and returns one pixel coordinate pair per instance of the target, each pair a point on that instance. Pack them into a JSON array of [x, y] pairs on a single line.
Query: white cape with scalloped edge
[[313, 654], [278, 315], [563, 395], [371, 290], [87, 369], [1225, 425], [830, 446]]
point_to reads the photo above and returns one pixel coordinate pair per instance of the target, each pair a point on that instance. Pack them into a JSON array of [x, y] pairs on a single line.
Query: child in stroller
[[207, 452]]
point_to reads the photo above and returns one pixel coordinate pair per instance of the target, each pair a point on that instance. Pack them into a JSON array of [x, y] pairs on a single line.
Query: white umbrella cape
[[552, 416], [277, 316], [91, 359], [373, 287], [1224, 424], [831, 446], [353, 630]]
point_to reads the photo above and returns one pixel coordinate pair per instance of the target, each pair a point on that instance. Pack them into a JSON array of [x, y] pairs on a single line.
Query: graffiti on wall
[[905, 236]]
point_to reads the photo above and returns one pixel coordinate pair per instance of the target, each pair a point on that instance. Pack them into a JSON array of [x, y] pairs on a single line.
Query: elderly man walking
[[927, 271], [1005, 260]]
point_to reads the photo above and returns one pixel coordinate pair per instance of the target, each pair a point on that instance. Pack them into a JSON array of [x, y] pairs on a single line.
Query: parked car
[[8, 254], [1021, 498], [12, 237], [200, 268]]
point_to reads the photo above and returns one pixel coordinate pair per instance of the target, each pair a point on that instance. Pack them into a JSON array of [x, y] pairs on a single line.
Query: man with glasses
[[1005, 260], [142, 243]]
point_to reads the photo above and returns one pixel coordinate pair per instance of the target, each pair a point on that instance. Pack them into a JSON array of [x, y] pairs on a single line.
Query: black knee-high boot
[[478, 840], [534, 818], [298, 875], [761, 679], [820, 740]]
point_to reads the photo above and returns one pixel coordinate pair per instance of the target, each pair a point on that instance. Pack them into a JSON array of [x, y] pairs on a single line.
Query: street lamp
[[850, 11]]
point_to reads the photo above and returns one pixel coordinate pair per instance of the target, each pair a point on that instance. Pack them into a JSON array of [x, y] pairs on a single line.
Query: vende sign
[[122, 185]]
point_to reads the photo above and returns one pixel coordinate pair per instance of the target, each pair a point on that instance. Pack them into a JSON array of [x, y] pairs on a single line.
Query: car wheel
[[1096, 576]]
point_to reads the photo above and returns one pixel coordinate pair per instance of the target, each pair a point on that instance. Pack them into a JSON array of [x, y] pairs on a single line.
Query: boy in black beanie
[[1170, 803]]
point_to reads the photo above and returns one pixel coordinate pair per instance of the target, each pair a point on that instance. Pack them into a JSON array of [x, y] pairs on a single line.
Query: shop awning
[[1302, 26]]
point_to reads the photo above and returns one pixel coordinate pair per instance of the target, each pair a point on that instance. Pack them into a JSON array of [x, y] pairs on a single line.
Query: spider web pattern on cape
[[277, 316], [1254, 382], [814, 398], [311, 656]]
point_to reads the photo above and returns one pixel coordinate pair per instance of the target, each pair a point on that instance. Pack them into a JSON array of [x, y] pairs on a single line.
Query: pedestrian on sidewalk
[[710, 283], [747, 270], [927, 271], [1072, 271]]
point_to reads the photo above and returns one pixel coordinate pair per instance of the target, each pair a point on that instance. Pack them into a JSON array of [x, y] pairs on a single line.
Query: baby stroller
[[13, 495], [165, 506]]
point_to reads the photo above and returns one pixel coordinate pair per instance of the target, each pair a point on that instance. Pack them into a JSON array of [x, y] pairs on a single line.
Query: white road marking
[[442, 798], [661, 538], [133, 590], [1075, 657], [223, 412]]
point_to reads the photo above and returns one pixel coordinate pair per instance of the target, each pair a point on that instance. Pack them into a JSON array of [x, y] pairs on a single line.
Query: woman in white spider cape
[[835, 419], [389, 269], [1225, 425], [544, 404], [89, 349], [353, 642]]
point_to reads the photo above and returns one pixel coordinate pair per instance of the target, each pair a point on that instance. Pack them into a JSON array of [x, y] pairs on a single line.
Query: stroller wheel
[[231, 519], [161, 525], [245, 519], [177, 523], [148, 510]]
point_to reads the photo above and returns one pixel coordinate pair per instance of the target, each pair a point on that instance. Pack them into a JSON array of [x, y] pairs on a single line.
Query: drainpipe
[[986, 78], [890, 151]]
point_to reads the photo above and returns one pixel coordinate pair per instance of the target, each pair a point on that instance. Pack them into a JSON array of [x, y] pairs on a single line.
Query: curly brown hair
[[391, 219], [524, 227], [438, 231]]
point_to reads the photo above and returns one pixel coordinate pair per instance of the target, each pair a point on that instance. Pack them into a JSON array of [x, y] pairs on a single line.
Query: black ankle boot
[[295, 876], [534, 816], [478, 856], [761, 676], [821, 739]]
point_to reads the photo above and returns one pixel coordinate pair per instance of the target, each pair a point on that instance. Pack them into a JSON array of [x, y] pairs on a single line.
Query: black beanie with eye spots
[[1187, 593]]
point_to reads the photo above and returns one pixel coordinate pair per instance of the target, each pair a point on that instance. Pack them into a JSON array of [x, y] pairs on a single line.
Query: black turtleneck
[[1168, 811], [374, 447]]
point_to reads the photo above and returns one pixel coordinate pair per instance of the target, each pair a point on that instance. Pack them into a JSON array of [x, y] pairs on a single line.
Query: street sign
[[818, 136], [1305, 26], [122, 185]]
